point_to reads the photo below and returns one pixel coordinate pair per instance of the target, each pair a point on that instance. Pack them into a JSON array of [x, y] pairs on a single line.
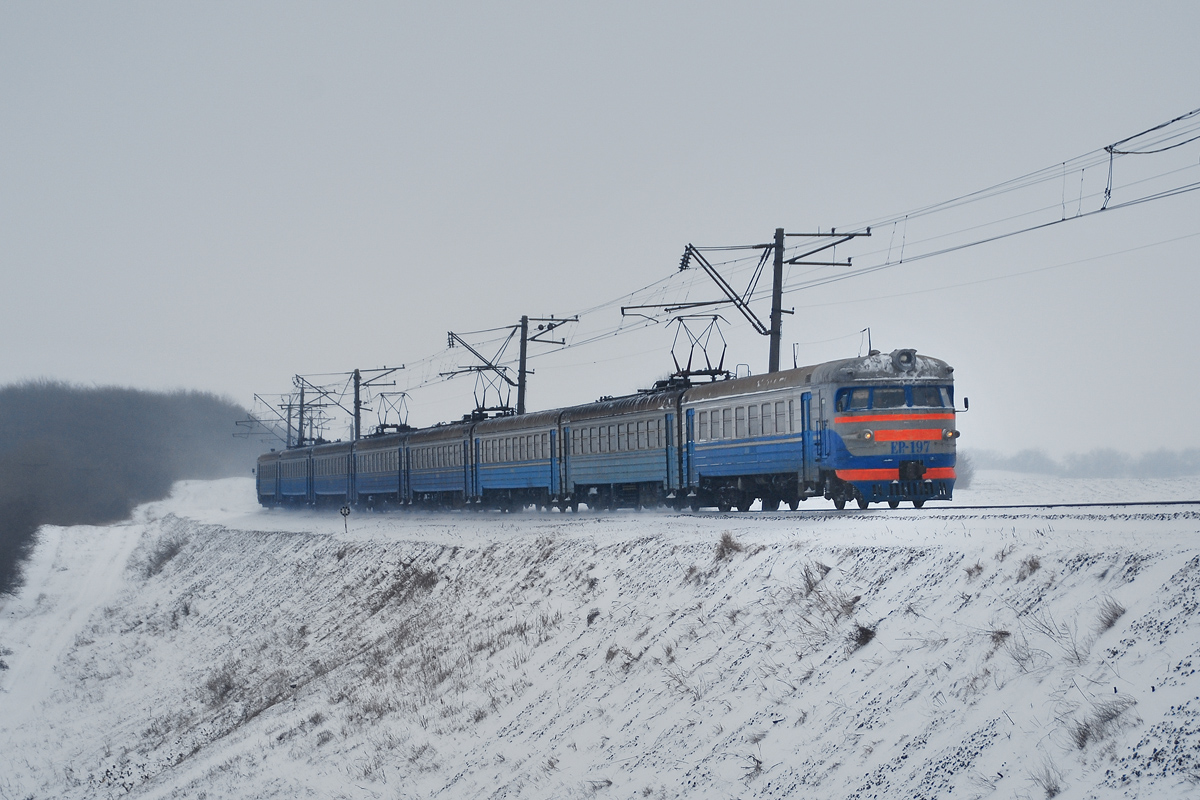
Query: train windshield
[[862, 397], [890, 397], [931, 396]]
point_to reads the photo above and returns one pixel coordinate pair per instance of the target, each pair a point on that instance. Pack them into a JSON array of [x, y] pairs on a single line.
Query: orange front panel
[[909, 435], [933, 473]]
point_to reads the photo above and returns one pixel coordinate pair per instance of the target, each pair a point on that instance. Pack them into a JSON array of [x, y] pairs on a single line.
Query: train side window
[[752, 420], [780, 419], [888, 397], [726, 423], [642, 440], [791, 416], [859, 399], [739, 416], [702, 433], [546, 446], [767, 419], [612, 438], [620, 437]]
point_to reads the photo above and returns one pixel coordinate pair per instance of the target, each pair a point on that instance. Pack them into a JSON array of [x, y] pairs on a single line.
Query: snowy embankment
[[209, 648]]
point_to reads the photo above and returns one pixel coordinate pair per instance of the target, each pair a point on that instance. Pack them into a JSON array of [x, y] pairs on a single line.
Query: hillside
[[72, 455], [212, 649]]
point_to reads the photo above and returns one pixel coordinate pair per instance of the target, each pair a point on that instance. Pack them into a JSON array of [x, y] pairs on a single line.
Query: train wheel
[[694, 503], [723, 507], [863, 502], [770, 503], [893, 503], [794, 503], [918, 503], [839, 503]]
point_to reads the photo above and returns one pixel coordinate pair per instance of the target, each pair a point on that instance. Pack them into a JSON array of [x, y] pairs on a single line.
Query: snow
[[291, 654]]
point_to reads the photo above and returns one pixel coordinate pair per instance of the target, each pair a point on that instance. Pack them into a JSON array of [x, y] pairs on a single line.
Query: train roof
[[451, 431], [330, 448], [632, 404], [535, 419], [381, 442], [906, 364]]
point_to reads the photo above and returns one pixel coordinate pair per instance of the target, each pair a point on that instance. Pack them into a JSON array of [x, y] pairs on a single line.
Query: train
[[878, 428]]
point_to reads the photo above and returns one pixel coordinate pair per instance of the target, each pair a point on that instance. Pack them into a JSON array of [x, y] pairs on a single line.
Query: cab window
[[927, 396], [888, 397], [853, 399]]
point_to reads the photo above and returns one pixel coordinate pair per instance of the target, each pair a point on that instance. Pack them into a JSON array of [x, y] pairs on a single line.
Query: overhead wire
[[678, 287]]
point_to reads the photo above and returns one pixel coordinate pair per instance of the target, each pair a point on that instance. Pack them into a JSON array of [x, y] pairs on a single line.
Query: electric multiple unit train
[[873, 429]]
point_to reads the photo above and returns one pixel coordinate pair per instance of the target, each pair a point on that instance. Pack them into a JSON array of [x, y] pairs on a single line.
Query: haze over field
[[72, 455], [224, 197]]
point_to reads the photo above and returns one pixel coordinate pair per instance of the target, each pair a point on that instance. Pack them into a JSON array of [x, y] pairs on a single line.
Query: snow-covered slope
[[212, 649]]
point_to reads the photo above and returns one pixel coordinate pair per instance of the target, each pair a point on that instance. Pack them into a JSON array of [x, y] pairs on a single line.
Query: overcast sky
[[219, 196]]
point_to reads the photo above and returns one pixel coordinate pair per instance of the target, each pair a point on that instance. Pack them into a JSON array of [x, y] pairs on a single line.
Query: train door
[[566, 487], [475, 490], [689, 448], [310, 492], [823, 443], [673, 466], [554, 483], [808, 437], [405, 476], [468, 486]]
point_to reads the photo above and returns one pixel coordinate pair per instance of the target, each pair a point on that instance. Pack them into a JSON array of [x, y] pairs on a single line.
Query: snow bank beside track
[[240, 652]]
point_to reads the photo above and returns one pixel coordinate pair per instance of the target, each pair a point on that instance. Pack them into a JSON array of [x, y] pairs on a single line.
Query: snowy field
[[212, 649]]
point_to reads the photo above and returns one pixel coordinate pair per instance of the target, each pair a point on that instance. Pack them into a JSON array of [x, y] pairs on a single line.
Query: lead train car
[[879, 428]]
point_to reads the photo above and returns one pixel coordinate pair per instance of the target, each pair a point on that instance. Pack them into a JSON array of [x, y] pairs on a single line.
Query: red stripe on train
[[933, 473], [892, 418]]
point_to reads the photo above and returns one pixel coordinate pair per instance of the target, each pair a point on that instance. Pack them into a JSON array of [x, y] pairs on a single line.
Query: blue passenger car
[[294, 476], [331, 473], [266, 479], [622, 452], [439, 466], [379, 471], [516, 461]]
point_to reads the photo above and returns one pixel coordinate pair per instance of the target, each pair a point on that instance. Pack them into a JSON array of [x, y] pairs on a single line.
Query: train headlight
[[949, 434], [867, 435]]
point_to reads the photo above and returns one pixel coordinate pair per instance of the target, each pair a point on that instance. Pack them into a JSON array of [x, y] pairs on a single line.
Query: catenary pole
[[776, 304]]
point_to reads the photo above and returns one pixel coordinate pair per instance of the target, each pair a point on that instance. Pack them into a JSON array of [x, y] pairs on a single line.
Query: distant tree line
[[1101, 463], [73, 455]]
